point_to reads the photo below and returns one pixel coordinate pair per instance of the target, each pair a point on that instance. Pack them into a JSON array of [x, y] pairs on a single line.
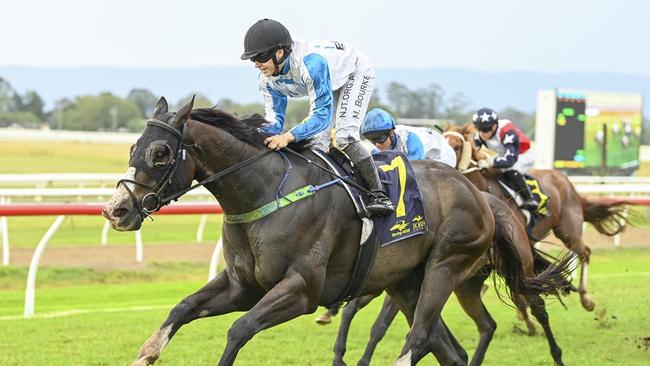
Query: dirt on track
[[123, 256], [107, 257]]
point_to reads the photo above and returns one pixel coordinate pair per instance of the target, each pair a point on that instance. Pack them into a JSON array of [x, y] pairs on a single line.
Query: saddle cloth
[[538, 194], [399, 182]]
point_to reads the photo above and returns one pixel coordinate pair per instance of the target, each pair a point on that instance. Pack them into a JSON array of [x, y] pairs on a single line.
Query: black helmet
[[485, 118], [263, 36]]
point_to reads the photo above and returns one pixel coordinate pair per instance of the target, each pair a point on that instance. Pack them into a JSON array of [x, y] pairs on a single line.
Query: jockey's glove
[[485, 163]]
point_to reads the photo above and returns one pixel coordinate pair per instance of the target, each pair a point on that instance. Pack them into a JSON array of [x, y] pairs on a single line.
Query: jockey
[[514, 156], [417, 143], [332, 74]]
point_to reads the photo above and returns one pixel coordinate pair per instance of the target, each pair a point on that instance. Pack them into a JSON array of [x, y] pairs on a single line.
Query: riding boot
[[519, 183], [364, 165]]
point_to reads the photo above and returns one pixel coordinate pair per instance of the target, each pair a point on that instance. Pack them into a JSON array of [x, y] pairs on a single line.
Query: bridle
[[152, 201], [462, 139]]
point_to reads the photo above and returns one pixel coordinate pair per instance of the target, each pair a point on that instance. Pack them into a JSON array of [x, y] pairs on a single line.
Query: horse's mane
[[245, 129]]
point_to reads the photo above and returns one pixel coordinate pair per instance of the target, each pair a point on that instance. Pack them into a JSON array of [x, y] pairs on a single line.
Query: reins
[[344, 179]]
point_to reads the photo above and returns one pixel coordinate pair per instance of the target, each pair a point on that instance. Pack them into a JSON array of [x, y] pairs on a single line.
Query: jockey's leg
[[352, 104], [365, 167], [519, 183]]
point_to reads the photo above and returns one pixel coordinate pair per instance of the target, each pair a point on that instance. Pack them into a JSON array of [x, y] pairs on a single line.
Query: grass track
[[613, 335]]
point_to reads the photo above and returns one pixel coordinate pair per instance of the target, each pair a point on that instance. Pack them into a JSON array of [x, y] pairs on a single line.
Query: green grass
[[62, 157], [612, 335], [26, 232]]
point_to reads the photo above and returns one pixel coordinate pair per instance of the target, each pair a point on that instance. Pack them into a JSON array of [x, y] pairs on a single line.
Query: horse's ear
[[161, 108], [183, 114]]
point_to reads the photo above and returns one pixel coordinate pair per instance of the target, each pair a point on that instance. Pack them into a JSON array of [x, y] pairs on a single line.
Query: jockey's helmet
[[377, 120], [485, 118], [264, 36]]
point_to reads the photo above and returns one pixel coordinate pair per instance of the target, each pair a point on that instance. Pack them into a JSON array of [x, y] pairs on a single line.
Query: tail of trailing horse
[[507, 261], [607, 216]]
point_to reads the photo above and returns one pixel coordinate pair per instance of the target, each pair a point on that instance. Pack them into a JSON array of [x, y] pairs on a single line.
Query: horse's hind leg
[[221, 295], [570, 232], [522, 314], [469, 297], [440, 279], [388, 312], [538, 309], [444, 346], [349, 311], [326, 317]]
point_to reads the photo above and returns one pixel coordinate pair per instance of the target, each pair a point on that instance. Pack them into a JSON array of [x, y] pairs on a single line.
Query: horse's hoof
[[531, 332], [587, 303], [339, 363], [142, 361], [324, 319]]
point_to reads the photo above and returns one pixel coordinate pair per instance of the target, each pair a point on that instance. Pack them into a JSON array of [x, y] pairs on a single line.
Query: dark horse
[[287, 263], [469, 293], [568, 210]]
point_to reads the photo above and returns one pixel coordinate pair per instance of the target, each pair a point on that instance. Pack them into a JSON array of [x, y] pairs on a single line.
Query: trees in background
[[25, 110], [101, 112], [110, 112]]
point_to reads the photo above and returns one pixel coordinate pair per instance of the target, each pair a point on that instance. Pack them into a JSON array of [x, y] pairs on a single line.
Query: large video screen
[[583, 119]]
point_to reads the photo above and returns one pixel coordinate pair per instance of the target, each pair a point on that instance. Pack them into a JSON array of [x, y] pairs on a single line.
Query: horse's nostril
[[119, 212]]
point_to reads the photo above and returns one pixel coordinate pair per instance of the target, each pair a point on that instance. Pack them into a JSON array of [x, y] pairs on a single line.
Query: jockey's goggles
[[378, 138], [485, 128], [263, 57]]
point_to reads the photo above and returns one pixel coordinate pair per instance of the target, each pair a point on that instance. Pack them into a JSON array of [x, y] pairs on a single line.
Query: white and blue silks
[[419, 143], [329, 73]]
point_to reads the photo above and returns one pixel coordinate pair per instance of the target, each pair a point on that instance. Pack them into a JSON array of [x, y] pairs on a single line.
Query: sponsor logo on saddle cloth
[[540, 196], [400, 185]]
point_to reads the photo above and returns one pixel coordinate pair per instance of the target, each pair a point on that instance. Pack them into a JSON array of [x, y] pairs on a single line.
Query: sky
[[485, 35]]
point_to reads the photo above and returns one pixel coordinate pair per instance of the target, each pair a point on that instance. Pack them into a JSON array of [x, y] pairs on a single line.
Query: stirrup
[[530, 205], [380, 205]]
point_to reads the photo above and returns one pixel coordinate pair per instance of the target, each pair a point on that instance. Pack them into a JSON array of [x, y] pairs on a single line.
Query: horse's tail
[[507, 261], [542, 261], [607, 216]]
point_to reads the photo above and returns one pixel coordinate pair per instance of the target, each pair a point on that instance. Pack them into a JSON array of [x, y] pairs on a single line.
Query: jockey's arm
[[275, 108], [320, 99], [414, 147], [511, 154]]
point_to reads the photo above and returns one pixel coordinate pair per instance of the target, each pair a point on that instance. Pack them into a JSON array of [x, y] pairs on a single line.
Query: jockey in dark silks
[[514, 156], [337, 78], [417, 143]]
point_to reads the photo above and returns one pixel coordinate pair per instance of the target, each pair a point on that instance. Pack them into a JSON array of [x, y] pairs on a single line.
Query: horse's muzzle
[[122, 217]]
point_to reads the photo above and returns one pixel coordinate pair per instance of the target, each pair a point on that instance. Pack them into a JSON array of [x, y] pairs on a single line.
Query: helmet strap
[[280, 62]]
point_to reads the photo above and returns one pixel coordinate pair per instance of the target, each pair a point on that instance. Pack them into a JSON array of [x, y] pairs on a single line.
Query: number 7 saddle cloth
[[399, 182]]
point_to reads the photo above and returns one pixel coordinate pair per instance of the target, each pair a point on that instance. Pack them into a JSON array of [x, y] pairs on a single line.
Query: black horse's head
[[159, 166]]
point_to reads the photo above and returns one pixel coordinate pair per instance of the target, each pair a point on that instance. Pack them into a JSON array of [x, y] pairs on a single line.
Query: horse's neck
[[479, 180], [245, 188]]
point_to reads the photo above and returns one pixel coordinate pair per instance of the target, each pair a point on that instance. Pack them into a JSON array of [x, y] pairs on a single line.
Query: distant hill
[[496, 89]]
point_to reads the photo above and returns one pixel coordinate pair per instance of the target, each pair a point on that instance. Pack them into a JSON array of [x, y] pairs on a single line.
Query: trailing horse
[[511, 257], [287, 263], [567, 209]]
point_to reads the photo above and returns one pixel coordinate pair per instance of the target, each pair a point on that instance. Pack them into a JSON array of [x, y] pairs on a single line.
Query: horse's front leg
[[293, 296], [220, 296]]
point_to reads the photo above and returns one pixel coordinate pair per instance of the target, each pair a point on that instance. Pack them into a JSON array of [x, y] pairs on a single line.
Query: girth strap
[[271, 207]]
